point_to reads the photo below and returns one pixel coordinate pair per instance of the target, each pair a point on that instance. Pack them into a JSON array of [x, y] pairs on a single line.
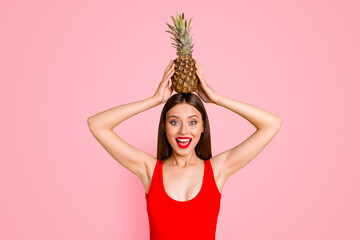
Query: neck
[[183, 160]]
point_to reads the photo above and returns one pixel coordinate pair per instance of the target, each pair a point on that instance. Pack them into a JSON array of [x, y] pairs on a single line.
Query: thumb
[[171, 85]]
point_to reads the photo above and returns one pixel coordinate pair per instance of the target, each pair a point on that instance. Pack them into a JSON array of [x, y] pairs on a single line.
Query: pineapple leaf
[[182, 24], [171, 27], [170, 32], [175, 40], [190, 21], [175, 22]]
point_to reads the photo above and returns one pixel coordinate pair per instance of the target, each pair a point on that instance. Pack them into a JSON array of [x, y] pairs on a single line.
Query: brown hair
[[203, 148]]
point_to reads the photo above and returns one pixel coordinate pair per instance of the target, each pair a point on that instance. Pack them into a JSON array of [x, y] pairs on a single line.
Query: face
[[183, 120]]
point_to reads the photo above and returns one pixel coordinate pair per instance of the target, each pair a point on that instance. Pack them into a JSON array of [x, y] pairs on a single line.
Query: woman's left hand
[[203, 89]]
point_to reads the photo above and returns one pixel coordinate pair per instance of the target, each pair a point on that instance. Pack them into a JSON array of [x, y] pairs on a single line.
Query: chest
[[182, 184]]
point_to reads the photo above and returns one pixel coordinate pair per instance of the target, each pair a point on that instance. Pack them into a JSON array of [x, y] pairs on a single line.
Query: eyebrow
[[178, 117]]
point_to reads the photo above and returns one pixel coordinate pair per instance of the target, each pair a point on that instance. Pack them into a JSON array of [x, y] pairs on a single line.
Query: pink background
[[63, 61]]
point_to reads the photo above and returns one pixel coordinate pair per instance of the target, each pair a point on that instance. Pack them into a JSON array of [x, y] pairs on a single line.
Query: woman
[[183, 184]]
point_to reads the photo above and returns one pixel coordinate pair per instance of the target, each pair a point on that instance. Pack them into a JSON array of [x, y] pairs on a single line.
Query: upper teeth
[[183, 140]]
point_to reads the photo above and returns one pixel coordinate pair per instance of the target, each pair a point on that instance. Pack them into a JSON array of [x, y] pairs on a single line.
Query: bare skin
[[183, 170]]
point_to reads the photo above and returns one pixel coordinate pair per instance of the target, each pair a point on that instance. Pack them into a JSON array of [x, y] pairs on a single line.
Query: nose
[[183, 129]]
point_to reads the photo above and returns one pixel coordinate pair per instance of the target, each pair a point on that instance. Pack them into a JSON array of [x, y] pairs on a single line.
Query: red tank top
[[196, 218]]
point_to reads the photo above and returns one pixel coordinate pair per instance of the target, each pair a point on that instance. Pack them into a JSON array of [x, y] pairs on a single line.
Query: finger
[[202, 75], [169, 66], [197, 64], [199, 75], [169, 74], [198, 72], [199, 67], [168, 71], [196, 68]]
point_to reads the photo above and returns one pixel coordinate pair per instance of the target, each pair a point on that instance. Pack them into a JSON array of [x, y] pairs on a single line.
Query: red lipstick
[[181, 144]]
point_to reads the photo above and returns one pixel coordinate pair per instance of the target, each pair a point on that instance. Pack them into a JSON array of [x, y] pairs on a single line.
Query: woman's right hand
[[163, 92]]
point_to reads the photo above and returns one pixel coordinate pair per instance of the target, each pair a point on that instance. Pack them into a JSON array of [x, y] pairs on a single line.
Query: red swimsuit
[[196, 218]]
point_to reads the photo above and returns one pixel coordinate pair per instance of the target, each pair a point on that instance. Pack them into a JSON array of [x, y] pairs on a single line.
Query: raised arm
[[259, 118], [112, 117], [266, 123], [102, 124]]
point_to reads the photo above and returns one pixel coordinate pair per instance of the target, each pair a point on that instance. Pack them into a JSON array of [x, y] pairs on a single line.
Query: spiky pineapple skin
[[184, 79]]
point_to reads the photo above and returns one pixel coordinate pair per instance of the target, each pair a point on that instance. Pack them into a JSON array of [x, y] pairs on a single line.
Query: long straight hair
[[203, 148]]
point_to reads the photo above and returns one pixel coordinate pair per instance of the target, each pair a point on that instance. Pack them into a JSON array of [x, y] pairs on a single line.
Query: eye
[[171, 122]]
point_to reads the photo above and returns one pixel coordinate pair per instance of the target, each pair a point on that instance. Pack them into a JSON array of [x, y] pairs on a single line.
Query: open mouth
[[183, 143]]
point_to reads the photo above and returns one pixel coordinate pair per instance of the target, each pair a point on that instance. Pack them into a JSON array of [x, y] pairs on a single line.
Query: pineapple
[[184, 79]]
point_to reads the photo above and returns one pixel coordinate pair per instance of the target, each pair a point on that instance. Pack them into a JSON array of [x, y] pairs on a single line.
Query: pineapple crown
[[181, 34]]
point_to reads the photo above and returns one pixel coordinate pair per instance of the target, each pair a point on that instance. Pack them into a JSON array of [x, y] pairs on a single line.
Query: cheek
[[170, 133], [169, 130], [197, 132]]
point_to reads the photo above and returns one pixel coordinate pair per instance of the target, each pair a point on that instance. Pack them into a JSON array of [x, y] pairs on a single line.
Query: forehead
[[183, 110]]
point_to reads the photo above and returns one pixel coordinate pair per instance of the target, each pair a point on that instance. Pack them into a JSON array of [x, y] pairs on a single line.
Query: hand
[[163, 92], [206, 93]]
